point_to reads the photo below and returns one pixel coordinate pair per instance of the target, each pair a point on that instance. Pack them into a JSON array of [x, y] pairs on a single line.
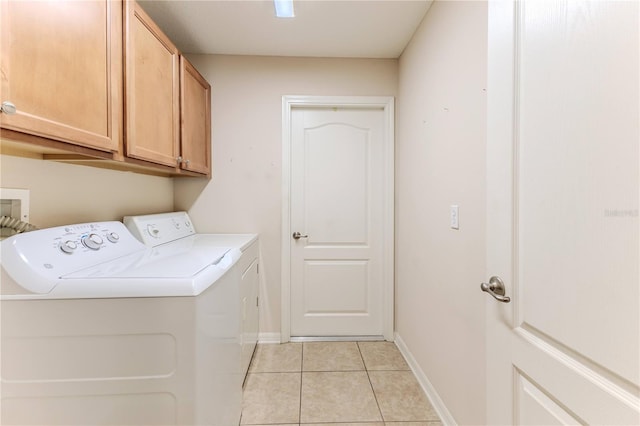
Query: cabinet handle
[[8, 108], [187, 162], [179, 160]]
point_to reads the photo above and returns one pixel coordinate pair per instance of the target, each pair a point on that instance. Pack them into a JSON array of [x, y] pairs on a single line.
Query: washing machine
[[99, 329]]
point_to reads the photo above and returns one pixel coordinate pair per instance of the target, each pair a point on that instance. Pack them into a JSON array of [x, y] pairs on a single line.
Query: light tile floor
[[333, 383]]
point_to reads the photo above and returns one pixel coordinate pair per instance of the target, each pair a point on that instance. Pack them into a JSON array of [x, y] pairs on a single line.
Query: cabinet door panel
[[61, 66], [151, 90], [196, 119]]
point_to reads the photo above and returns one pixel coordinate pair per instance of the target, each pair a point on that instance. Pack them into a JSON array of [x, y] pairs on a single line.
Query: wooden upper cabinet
[[61, 66], [195, 112], [152, 103]]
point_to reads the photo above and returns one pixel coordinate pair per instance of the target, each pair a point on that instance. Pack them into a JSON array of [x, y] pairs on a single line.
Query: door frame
[[387, 104], [500, 165]]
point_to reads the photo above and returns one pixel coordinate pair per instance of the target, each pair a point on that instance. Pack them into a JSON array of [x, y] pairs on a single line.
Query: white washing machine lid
[[147, 276], [172, 260], [141, 276], [60, 263], [184, 267]]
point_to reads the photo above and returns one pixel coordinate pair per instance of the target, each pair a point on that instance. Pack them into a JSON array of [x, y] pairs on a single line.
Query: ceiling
[[321, 28]]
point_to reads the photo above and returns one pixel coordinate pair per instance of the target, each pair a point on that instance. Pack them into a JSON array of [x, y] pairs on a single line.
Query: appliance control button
[[153, 231], [92, 241], [68, 246], [113, 237]]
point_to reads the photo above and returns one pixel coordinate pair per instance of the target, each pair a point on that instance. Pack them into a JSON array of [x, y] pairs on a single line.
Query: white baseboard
[[427, 387], [266, 338]]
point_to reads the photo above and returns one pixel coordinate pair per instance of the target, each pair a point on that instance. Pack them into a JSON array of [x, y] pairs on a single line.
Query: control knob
[[68, 246], [113, 237], [92, 241], [153, 231]]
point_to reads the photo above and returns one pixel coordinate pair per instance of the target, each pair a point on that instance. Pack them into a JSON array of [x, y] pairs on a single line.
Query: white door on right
[[563, 232]]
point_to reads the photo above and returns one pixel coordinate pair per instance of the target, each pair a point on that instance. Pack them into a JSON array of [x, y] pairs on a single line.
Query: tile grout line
[[301, 376], [366, 369]]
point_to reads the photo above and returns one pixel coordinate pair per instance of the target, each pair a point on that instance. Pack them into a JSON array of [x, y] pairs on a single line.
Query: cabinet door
[[151, 90], [195, 96], [61, 66]]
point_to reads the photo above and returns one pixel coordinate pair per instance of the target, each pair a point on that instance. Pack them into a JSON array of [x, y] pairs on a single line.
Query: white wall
[[62, 194], [441, 115], [245, 193]]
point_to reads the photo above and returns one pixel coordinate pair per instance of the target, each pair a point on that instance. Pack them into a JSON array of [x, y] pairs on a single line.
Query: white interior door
[[563, 189], [339, 201]]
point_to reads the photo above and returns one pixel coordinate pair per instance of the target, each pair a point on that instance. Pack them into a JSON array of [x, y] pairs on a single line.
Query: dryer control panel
[[156, 229]]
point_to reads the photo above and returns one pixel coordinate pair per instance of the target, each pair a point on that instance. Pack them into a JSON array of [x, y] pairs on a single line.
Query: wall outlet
[[454, 216]]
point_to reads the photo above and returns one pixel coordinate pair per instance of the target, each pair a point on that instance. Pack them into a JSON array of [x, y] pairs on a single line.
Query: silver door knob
[[496, 289], [8, 108], [296, 235]]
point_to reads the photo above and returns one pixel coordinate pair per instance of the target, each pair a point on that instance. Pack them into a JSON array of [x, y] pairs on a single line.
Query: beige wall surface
[[245, 193], [440, 161], [62, 194]]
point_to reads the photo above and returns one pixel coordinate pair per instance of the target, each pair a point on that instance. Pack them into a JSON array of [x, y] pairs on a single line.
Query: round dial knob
[[113, 237], [153, 231], [92, 241], [68, 246]]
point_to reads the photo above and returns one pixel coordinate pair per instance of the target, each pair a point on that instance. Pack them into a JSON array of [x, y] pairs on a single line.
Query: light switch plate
[[454, 217]]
